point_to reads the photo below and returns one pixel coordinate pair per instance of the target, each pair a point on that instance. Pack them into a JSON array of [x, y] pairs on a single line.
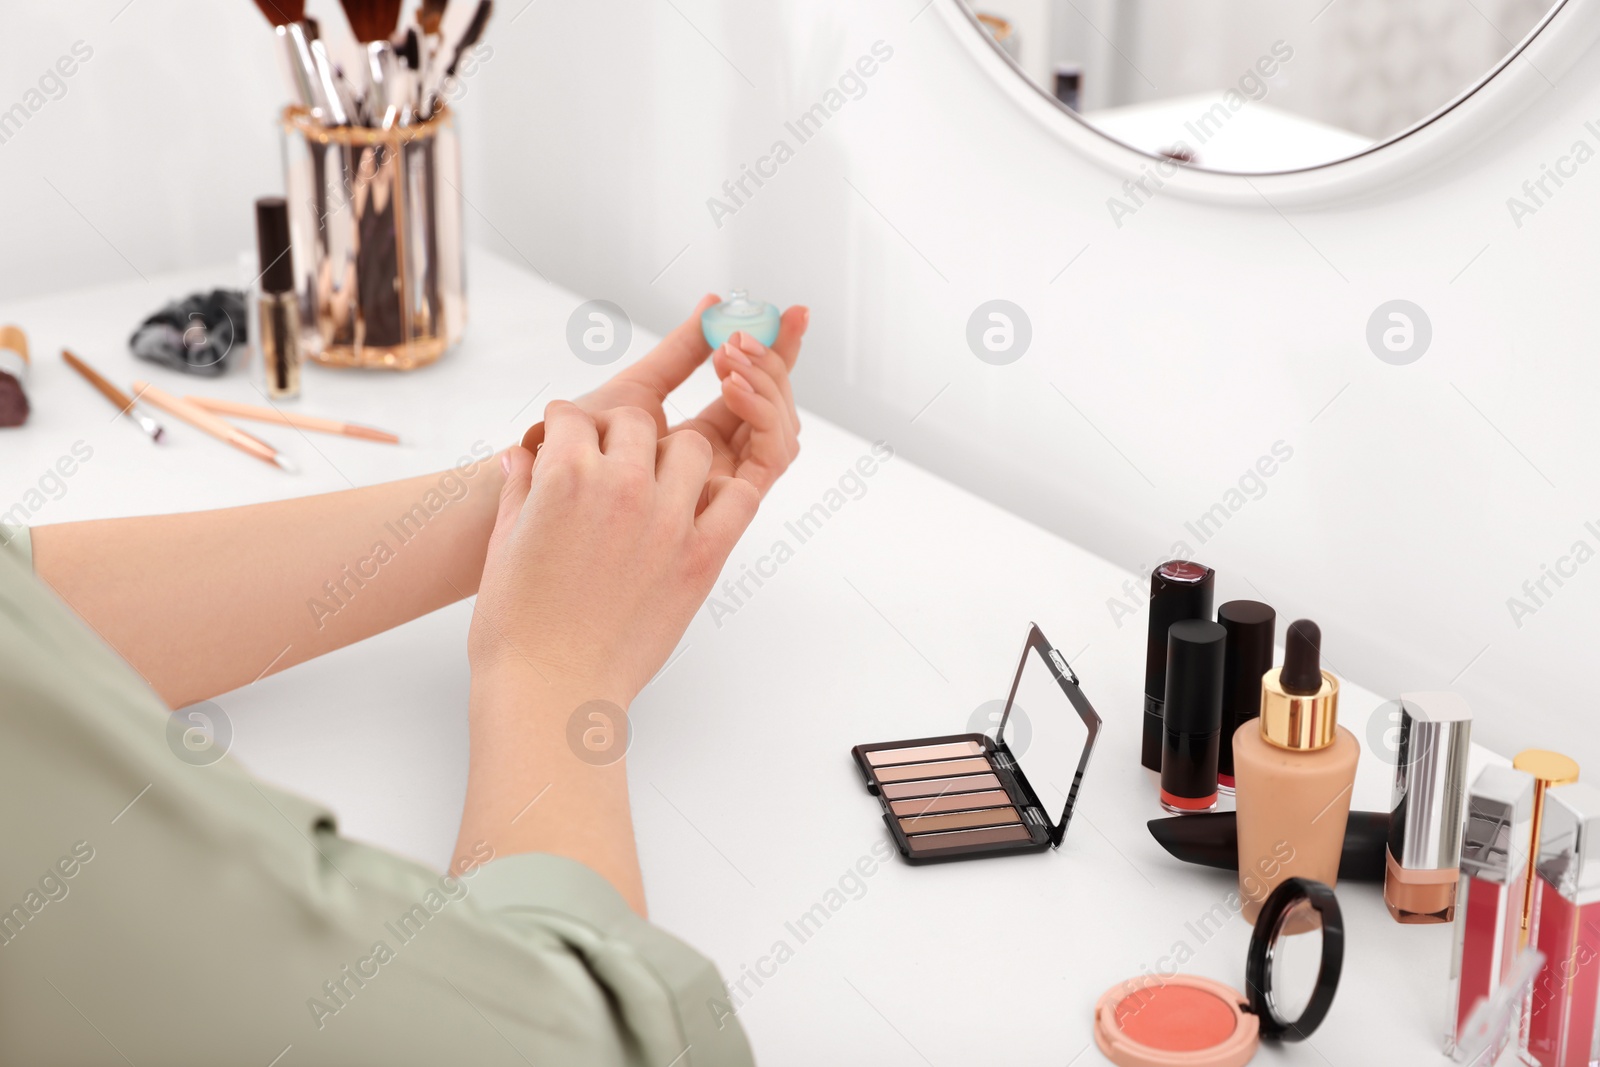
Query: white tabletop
[[903, 614], [1257, 137]]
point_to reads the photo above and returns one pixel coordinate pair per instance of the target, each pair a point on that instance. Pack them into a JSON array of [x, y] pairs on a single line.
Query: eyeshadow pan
[[960, 820], [942, 769], [938, 786], [987, 835], [950, 802], [951, 750]]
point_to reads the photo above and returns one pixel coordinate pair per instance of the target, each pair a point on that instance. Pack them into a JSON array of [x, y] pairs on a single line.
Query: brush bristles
[[372, 20], [282, 12], [430, 16]]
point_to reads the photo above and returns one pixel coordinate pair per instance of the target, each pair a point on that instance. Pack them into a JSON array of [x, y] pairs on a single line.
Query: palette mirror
[[951, 796], [1256, 86]]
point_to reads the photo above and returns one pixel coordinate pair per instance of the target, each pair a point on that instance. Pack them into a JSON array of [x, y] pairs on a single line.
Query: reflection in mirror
[[1296, 961], [1255, 86]]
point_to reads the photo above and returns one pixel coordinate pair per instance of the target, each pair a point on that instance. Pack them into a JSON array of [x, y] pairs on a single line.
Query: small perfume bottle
[[739, 313]]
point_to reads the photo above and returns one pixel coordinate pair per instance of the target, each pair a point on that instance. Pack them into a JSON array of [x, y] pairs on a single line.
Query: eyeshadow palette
[[966, 795]]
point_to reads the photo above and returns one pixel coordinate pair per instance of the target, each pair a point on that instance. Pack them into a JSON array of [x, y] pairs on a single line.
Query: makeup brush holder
[[375, 222]]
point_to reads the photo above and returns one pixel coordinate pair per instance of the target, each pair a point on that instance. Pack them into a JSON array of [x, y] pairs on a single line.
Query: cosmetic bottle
[[1430, 784], [1561, 1014], [1494, 863], [1179, 590], [1549, 769], [1293, 775], [1192, 719], [278, 309], [1251, 626], [737, 314]]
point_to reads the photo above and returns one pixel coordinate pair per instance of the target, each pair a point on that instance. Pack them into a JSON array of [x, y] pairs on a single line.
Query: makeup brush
[[373, 22], [294, 48], [468, 38]]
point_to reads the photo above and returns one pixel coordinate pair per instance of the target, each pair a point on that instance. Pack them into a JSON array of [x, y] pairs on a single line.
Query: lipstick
[[1247, 657], [1192, 716], [1429, 789], [1212, 840], [1179, 590]]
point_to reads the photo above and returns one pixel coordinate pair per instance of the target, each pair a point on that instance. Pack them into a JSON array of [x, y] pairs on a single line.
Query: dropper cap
[[1300, 700]]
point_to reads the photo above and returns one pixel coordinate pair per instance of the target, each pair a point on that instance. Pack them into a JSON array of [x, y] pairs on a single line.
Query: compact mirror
[[1049, 729], [1257, 86]]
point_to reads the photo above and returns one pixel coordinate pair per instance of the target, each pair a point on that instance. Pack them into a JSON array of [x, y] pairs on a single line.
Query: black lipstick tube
[[1179, 590]]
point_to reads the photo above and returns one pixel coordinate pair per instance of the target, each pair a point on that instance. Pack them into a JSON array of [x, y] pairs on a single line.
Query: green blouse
[[157, 912]]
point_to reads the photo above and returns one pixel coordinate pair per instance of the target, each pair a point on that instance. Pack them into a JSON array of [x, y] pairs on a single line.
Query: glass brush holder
[[375, 220]]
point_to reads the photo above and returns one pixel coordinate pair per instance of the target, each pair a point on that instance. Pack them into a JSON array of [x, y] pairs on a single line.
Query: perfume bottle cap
[[1499, 824], [1430, 781], [1569, 842]]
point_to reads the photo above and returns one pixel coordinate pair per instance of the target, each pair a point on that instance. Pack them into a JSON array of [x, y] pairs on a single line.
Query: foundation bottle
[[1292, 775]]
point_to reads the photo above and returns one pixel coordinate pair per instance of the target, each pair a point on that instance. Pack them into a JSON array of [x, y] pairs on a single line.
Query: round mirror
[[1259, 86]]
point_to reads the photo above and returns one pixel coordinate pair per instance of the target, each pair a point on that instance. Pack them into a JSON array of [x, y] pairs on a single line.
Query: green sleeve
[[160, 905]]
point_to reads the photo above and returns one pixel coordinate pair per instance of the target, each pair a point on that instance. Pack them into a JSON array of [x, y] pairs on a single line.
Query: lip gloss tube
[[1192, 719], [1488, 922], [1562, 1008], [1425, 828], [1179, 590], [278, 309]]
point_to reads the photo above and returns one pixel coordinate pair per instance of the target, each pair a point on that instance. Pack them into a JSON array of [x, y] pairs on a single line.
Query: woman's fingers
[[517, 464], [768, 451], [791, 329], [567, 427], [669, 363], [730, 505], [628, 434], [769, 361], [683, 463]]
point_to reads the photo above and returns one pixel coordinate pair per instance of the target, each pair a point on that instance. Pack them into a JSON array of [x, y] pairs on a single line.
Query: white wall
[[1189, 340]]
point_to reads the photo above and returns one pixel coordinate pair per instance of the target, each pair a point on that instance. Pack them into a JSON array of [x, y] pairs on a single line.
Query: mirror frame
[[1558, 41]]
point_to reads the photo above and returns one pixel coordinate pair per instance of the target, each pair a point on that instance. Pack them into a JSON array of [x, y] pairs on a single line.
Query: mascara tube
[[278, 309]]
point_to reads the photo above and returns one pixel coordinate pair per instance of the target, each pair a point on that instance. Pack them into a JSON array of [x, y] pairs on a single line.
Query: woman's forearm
[[204, 602], [548, 775]]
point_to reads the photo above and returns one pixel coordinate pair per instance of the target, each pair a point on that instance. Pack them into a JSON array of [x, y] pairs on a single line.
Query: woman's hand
[[598, 559], [752, 427], [597, 562]]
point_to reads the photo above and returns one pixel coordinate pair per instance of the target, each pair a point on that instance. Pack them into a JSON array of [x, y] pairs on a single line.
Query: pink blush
[[1176, 1018]]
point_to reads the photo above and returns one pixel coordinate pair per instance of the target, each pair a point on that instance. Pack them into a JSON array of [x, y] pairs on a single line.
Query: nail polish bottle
[[1192, 723], [1430, 785], [1251, 626], [1179, 590], [1293, 775], [739, 313]]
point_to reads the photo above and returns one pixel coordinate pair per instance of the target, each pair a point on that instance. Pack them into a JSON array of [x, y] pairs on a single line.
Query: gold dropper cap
[[1299, 721], [1548, 769]]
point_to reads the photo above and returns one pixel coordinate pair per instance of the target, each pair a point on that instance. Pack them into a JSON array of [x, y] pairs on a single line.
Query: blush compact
[[959, 796], [1184, 1021]]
